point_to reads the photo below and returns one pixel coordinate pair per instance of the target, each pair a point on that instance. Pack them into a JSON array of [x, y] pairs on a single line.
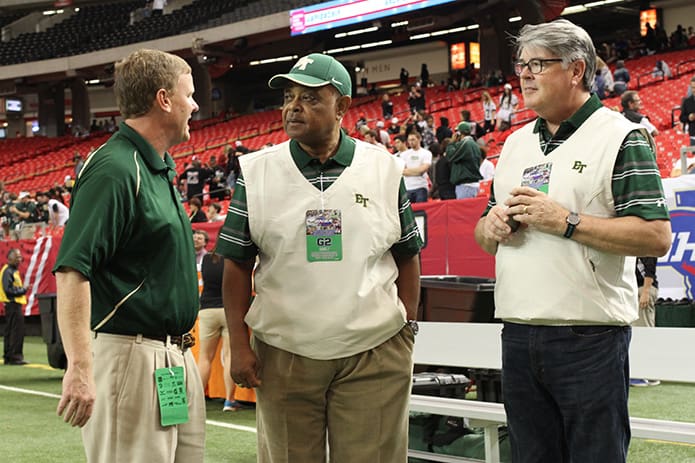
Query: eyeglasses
[[535, 65]]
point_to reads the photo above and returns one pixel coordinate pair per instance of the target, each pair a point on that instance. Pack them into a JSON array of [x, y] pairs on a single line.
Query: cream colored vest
[[551, 280], [324, 310]]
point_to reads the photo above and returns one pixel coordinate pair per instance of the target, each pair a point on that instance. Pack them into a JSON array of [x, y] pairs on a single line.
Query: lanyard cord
[[321, 185]]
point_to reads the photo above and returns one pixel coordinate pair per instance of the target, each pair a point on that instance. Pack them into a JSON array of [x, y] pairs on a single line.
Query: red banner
[[450, 243], [451, 248], [35, 269]]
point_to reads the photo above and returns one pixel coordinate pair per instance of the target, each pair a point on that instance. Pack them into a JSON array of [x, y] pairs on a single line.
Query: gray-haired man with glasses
[[583, 190]]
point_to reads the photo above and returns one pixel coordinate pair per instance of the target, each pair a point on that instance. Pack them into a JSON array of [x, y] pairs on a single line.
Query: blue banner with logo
[[676, 270]]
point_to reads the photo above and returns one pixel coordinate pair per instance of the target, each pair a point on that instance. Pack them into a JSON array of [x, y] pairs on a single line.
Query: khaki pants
[[125, 424], [356, 406], [647, 317]]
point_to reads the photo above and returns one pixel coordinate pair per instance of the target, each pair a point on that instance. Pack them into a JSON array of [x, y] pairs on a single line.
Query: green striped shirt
[[636, 182], [234, 240]]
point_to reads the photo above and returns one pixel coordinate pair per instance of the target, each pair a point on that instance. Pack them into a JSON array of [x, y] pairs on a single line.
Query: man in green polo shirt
[[127, 281], [336, 284]]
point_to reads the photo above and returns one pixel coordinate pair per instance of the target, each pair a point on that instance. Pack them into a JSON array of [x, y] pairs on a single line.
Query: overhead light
[[573, 10], [340, 35], [399, 24], [376, 44], [342, 49], [582, 8], [443, 32], [93, 82], [272, 60], [514, 19]]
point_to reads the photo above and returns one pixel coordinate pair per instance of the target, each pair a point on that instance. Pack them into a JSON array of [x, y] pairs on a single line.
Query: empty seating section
[[39, 163], [248, 10], [80, 33], [101, 26]]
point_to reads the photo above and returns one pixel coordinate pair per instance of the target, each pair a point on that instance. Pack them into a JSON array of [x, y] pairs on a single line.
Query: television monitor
[[13, 105], [457, 54]]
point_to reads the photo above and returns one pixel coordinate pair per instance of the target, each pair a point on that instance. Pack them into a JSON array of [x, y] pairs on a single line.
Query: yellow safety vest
[[17, 284]]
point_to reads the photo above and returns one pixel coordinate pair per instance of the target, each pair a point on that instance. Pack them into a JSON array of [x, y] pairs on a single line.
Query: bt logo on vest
[[359, 199], [578, 165]]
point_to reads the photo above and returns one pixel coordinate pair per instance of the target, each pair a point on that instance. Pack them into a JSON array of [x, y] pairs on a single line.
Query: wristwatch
[[572, 220], [413, 326]]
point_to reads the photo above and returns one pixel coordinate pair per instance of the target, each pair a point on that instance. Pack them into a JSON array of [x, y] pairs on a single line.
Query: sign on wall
[[676, 270]]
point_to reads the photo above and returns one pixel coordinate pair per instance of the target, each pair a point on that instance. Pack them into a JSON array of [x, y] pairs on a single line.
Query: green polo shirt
[[29, 207], [234, 241], [130, 237], [636, 184]]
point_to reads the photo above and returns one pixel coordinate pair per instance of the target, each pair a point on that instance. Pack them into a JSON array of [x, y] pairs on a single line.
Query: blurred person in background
[[13, 294]]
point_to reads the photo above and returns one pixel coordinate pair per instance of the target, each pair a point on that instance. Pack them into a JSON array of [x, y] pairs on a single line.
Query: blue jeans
[[565, 392], [418, 195], [467, 190]]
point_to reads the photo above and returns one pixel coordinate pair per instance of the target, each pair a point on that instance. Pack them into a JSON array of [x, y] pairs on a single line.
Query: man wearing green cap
[[336, 286], [464, 156]]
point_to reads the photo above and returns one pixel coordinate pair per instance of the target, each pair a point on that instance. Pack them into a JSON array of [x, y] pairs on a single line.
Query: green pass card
[[324, 235], [171, 391]]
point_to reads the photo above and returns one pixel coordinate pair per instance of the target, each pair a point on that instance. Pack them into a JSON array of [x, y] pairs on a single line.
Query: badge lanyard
[[323, 232], [171, 392]]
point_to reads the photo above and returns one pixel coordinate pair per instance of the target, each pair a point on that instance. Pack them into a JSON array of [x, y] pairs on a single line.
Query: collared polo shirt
[[130, 237], [234, 241], [636, 183]]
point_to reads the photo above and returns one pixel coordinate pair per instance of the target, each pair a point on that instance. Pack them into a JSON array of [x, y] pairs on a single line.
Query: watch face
[[573, 218]]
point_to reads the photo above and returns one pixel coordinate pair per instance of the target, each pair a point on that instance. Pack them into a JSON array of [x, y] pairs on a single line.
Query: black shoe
[[17, 362]]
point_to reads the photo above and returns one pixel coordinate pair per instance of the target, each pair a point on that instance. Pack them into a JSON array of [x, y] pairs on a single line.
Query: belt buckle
[[187, 341]]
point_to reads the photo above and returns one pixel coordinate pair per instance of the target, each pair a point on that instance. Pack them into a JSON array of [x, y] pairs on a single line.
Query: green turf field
[[31, 432]]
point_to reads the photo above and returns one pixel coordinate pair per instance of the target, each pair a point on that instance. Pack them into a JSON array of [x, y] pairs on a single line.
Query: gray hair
[[565, 40]]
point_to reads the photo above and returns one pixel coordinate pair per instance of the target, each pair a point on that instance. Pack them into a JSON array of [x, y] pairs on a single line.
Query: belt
[[184, 341]]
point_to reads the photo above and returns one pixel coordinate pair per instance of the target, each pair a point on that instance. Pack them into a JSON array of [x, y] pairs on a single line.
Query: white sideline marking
[[238, 427], [220, 424], [29, 391]]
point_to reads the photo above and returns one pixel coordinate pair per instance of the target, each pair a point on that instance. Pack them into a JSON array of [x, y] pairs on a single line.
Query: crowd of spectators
[[23, 214], [202, 186], [422, 144]]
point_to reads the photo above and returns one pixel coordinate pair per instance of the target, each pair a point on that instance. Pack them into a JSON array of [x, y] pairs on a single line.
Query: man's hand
[[496, 226], [643, 299], [245, 367], [79, 392], [535, 208]]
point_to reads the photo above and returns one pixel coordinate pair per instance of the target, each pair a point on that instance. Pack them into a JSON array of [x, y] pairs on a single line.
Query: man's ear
[[578, 69], [162, 100], [343, 104]]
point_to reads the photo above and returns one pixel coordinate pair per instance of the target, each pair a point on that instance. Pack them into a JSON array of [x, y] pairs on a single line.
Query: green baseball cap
[[316, 70], [464, 128]]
